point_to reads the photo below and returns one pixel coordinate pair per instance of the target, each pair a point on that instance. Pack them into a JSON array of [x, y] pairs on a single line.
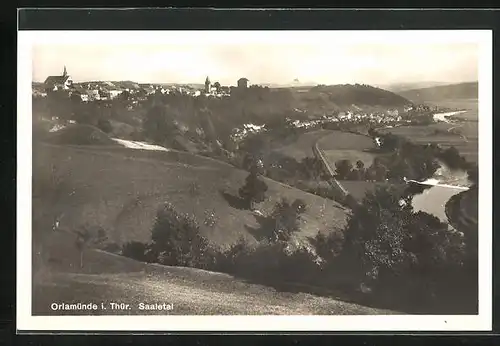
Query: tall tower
[[207, 85], [65, 73]]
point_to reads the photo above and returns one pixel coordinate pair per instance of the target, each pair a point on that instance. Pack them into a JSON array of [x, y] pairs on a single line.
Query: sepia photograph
[[254, 180]]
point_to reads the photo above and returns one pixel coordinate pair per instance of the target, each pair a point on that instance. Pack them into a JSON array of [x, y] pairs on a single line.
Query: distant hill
[[126, 84], [294, 84], [443, 92], [400, 87], [189, 85], [360, 95]]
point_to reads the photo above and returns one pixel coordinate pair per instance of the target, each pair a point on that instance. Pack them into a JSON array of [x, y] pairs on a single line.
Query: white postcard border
[[25, 321]]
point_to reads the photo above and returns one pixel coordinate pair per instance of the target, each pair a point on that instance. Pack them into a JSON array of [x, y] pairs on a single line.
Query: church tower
[[208, 85], [65, 73]]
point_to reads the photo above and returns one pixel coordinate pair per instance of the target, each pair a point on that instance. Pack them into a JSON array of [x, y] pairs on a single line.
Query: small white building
[[114, 93]]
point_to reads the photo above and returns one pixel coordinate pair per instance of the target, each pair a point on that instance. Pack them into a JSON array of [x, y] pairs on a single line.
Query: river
[[443, 117], [444, 185]]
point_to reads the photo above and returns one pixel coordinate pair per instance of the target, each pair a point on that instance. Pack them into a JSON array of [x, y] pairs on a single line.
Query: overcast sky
[[323, 62]]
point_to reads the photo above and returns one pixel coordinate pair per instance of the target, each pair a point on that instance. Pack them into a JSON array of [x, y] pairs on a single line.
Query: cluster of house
[[218, 90], [87, 91], [391, 116], [90, 91]]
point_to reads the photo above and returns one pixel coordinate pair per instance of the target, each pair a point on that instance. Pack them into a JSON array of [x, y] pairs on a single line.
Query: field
[[462, 135], [347, 146], [463, 96], [336, 145], [302, 147]]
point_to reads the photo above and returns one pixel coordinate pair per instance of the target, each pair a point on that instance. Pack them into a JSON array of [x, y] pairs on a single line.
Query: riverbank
[[444, 185], [444, 116]]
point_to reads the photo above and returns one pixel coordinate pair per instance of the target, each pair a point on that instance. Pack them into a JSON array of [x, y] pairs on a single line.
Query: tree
[[343, 168], [217, 86], [451, 157], [104, 125], [313, 167], [359, 173], [391, 142], [86, 237], [125, 95], [372, 132], [380, 172], [135, 250], [360, 165], [176, 239], [159, 124], [393, 246], [473, 174], [254, 189], [284, 220], [248, 161]]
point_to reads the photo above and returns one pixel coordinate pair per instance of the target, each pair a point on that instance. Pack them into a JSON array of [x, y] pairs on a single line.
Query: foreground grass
[[110, 278]]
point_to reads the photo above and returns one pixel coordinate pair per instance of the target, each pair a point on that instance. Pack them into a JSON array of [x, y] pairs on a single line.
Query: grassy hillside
[[442, 92], [347, 95], [77, 134], [121, 189], [111, 278]]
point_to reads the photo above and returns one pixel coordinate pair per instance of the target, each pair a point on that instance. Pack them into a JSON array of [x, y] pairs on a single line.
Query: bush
[[88, 236], [269, 262], [113, 248], [391, 246], [135, 250], [473, 174], [451, 157], [343, 168], [284, 220], [104, 125], [211, 218], [328, 246], [176, 239], [254, 190]]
